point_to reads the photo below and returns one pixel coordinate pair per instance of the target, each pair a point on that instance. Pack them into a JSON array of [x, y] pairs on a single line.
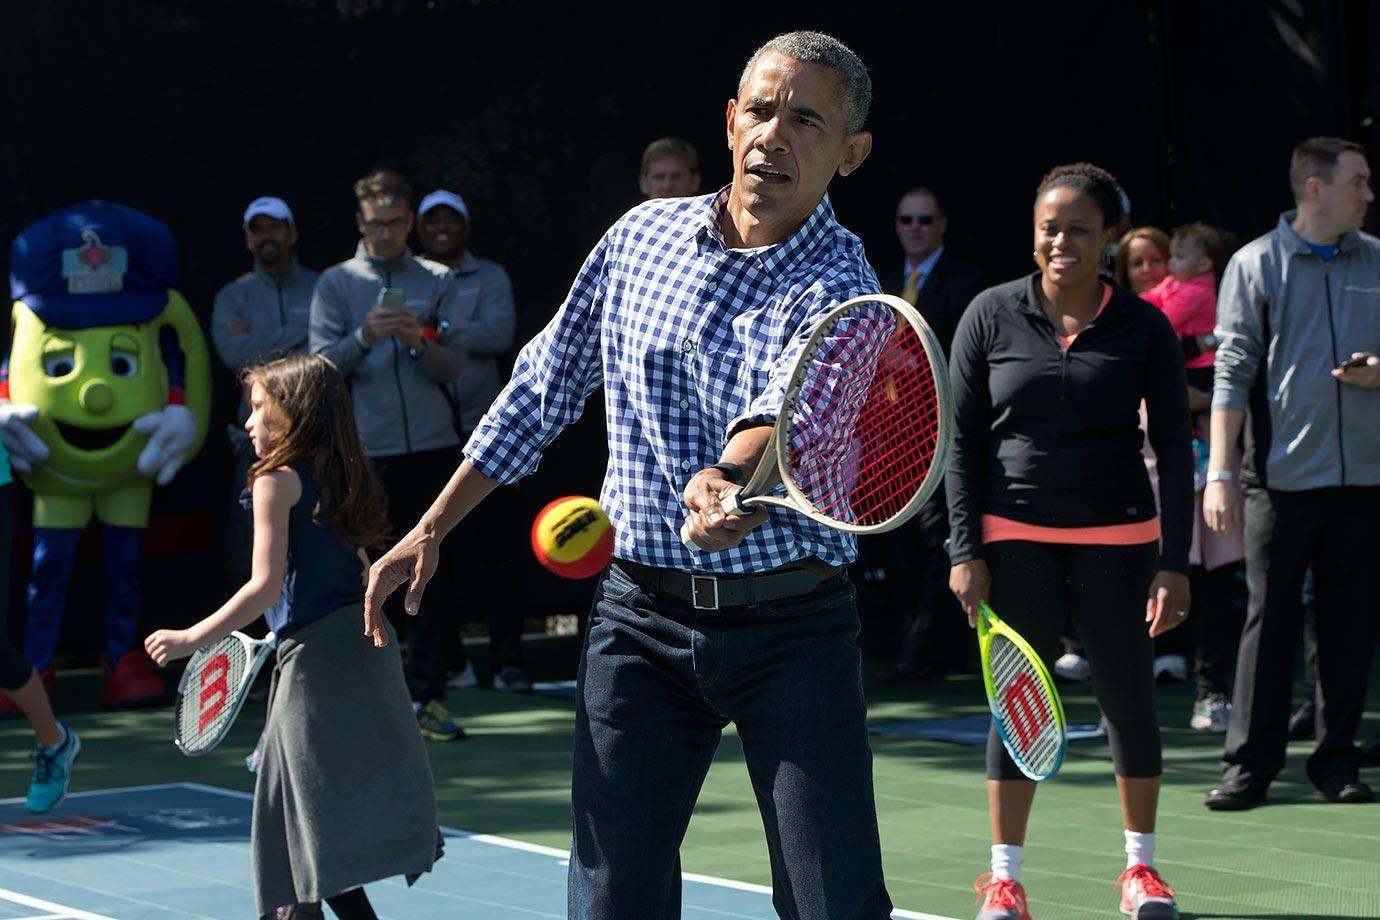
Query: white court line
[[490, 839], [55, 910]]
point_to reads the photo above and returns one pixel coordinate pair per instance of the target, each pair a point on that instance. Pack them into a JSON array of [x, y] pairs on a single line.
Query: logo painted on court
[[76, 828], [215, 689]]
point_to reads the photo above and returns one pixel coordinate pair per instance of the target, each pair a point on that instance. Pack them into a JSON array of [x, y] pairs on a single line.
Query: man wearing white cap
[[261, 314], [484, 301]]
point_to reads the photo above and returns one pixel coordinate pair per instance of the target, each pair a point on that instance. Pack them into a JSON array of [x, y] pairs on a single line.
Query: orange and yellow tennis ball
[[573, 537]]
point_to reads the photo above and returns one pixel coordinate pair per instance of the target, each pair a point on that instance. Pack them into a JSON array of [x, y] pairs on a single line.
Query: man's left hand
[[1168, 603], [172, 432], [709, 525], [1367, 376]]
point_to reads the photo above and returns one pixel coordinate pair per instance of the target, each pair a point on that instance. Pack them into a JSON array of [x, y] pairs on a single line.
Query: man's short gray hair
[[826, 51]]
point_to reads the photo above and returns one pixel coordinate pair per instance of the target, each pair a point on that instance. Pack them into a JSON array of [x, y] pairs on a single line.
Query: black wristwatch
[[732, 472]]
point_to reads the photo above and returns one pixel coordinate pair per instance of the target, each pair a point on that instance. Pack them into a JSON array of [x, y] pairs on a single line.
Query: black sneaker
[[1346, 791], [512, 679], [1234, 797]]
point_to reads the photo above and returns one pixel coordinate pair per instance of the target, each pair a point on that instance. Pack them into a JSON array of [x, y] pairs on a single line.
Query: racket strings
[[865, 422], [1023, 708], [207, 705]]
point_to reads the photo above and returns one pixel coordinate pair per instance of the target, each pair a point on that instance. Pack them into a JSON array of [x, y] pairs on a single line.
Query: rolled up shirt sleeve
[[554, 374], [968, 375], [1241, 307]]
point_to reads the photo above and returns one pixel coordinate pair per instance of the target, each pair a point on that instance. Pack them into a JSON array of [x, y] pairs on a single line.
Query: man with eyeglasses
[[913, 557], [391, 322]]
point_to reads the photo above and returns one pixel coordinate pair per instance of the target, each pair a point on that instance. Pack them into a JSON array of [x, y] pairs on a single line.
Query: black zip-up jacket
[[1051, 436]]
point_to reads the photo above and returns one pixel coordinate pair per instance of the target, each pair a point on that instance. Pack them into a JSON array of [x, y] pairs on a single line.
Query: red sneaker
[[132, 682], [1145, 896], [1001, 898], [9, 710]]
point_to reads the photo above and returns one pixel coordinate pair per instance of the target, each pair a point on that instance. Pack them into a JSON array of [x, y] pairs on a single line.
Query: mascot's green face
[[89, 385]]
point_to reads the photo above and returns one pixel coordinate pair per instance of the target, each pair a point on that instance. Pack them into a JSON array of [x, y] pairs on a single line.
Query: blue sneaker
[[53, 774]]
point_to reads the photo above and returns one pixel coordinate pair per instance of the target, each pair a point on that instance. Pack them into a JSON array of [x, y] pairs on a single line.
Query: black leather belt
[[710, 592]]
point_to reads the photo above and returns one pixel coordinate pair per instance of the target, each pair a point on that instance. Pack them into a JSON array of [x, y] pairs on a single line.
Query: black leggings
[[1036, 586]]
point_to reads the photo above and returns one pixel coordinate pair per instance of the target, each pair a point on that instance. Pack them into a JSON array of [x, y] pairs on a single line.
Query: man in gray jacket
[[487, 561], [1298, 320], [260, 315], [391, 323]]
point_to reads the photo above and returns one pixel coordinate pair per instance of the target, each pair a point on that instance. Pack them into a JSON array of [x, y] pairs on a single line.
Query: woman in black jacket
[[1051, 508]]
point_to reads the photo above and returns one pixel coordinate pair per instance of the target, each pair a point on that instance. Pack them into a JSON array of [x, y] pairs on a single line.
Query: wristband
[[732, 472], [359, 337], [1220, 475]]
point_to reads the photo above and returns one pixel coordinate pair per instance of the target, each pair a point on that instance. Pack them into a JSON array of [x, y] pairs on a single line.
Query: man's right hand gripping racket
[[213, 690], [1021, 694], [865, 426]]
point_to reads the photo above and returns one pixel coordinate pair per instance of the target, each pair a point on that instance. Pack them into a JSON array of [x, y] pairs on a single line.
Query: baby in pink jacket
[[1188, 294]]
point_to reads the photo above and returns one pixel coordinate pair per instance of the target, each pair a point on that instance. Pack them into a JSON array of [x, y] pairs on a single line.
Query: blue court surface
[[182, 850]]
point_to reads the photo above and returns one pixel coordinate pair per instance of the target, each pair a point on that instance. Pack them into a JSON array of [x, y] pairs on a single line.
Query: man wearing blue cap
[[106, 391], [260, 315], [487, 564]]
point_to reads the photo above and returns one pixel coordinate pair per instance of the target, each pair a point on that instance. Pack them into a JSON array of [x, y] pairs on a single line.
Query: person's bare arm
[[1221, 505], [413, 560]]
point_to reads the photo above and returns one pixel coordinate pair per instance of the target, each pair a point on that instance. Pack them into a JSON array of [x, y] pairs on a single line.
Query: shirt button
[[711, 286], [685, 404], [687, 346], [685, 464]]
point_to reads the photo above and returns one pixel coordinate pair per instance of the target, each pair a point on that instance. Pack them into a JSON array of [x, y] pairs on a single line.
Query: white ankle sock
[[1140, 848], [1006, 861]]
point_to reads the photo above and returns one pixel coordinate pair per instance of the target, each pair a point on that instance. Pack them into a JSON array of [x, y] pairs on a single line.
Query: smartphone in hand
[[394, 299], [1358, 361]]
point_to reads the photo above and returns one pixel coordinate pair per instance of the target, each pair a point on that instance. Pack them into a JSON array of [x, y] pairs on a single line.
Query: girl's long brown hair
[[313, 423]]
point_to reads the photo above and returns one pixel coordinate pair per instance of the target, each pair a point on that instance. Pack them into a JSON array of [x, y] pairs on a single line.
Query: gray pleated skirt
[[345, 794]]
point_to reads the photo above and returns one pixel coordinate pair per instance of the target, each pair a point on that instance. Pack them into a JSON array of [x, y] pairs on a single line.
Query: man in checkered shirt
[[690, 312]]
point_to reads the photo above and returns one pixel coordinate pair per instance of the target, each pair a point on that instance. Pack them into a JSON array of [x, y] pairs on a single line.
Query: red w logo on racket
[[1023, 705], [215, 689]]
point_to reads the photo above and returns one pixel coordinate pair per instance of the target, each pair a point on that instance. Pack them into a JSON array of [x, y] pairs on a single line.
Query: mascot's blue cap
[[94, 264]]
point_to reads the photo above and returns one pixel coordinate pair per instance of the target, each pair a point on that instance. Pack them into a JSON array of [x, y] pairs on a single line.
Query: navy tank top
[[323, 573]]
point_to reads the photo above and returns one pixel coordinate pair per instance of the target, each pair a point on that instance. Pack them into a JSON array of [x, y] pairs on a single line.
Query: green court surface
[[1298, 857]]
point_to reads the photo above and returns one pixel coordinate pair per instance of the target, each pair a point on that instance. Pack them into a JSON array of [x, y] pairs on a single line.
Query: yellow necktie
[[911, 292]]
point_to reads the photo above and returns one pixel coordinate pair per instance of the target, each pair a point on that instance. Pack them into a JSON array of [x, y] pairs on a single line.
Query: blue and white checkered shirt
[[689, 339]]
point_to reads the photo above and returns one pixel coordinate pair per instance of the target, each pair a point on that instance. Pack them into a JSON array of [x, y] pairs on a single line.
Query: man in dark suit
[[913, 556]]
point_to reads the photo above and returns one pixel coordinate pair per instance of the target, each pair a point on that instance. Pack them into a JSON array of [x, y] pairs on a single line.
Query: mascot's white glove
[[26, 449], [172, 432]]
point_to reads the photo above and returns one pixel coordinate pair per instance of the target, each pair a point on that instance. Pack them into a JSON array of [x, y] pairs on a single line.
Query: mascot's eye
[[124, 363], [58, 365]]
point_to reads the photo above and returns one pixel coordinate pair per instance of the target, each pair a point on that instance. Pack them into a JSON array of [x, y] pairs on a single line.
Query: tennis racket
[[865, 426], [1020, 692], [213, 690]]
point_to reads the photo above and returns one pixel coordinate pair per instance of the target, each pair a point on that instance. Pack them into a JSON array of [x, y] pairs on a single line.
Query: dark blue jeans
[[659, 680]]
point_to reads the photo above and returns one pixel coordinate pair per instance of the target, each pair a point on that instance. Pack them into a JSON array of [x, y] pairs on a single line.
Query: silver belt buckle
[[699, 584]]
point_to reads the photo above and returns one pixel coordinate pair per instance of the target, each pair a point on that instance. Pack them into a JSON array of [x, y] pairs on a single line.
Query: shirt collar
[[703, 223], [468, 264], [382, 265], [285, 276], [1295, 243], [926, 265]]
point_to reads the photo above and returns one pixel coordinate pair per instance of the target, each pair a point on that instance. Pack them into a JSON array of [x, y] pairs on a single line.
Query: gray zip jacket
[[484, 301], [274, 307], [400, 406], [1280, 303]]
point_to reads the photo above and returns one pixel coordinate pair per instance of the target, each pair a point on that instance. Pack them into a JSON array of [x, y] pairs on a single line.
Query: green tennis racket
[[1020, 692]]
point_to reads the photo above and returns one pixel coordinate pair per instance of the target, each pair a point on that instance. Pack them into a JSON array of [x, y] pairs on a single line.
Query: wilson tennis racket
[[213, 690], [1020, 692], [865, 426]]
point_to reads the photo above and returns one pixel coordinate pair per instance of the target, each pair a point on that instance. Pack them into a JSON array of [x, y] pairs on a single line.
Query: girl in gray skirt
[[339, 715]]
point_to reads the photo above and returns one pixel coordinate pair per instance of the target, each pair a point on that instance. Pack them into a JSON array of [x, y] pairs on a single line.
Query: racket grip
[[689, 543], [733, 505]]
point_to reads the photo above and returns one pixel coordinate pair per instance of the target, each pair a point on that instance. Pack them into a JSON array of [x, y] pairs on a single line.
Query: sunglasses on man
[[923, 220]]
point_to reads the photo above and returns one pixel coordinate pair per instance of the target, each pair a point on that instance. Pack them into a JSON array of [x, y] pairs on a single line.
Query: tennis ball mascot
[[106, 391]]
